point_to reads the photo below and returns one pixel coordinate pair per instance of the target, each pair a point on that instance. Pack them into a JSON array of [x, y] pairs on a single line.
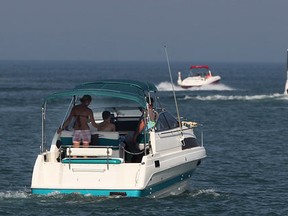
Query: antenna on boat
[[171, 80], [286, 85]]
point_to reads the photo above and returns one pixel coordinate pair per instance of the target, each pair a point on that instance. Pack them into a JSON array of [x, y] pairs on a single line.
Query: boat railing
[[104, 140], [202, 136], [193, 125], [89, 154]]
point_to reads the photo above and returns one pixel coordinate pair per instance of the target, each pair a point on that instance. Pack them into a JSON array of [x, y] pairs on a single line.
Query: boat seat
[[103, 138], [96, 152], [66, 137]]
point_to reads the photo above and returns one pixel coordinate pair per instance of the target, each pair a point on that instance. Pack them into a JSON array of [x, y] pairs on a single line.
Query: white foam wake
[[13, 194], [211, 192], [166, 86], [237, 97]]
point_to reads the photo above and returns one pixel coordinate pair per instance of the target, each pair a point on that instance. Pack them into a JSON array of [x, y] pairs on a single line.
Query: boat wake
[[166, 86], [69, 198], [14, 194], [204, 192], [276, 96]]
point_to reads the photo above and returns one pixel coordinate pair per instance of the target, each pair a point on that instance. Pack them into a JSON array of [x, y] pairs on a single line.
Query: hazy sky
[[193, 30]]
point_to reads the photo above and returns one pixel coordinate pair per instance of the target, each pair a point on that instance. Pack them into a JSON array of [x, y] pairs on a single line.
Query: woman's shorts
[[84, 135]]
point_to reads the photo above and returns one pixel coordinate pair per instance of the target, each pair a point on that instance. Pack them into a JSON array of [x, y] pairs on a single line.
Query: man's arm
[[91, 117], [67, 121]]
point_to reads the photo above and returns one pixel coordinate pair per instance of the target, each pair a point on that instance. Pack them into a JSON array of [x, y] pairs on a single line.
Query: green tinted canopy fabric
[[125, 89]]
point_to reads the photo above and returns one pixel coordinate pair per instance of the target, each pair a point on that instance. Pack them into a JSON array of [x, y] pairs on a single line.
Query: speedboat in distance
[[199, 75]]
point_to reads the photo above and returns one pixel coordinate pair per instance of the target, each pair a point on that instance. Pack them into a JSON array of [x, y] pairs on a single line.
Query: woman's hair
[[86, 98]]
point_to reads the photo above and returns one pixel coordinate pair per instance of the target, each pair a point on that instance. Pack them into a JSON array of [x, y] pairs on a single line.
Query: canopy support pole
[[175, 100]]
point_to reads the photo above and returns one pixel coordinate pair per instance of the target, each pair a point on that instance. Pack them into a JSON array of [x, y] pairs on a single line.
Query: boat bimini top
[[135, 91], [126, 89]]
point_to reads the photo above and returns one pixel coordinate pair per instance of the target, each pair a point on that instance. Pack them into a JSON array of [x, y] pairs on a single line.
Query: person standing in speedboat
[[82, 115]]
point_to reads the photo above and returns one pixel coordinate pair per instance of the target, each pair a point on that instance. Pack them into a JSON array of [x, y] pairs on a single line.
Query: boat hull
[[173, 186], [191, 82], [129, 180]]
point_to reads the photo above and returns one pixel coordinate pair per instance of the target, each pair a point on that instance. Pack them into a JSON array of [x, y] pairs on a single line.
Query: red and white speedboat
[[199, 75]]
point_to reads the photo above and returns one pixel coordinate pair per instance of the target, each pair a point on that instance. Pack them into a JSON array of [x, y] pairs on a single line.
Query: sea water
[[244, 118]]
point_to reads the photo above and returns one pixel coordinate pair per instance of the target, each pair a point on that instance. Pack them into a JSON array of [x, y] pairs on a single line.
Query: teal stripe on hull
[[90, 161], [93, 192], [168, 183], [129, 193]]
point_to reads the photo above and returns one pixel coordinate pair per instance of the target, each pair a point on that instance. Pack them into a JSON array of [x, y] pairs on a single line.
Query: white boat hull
[[160, 174], [190, 82], [198, 78], [126, 179]]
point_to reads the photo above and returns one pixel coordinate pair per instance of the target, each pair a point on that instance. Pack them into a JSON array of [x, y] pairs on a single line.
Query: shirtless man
[[106, 125], [82, 114]]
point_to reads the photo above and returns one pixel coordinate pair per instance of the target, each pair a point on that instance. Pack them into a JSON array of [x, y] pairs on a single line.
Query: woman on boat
[[82, 115], [132, 140], [152, 113]]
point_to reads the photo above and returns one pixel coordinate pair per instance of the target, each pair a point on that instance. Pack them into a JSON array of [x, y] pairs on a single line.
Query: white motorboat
[[199, 75], [162, 164]]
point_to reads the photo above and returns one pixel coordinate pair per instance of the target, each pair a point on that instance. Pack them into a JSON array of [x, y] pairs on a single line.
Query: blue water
[[245, 127]]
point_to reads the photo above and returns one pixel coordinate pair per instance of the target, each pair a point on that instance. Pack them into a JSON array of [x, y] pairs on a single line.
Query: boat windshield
[[166, 122], [201, 72]]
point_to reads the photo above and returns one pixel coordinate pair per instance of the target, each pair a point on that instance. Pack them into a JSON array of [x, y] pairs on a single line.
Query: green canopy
[[126, 89]]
